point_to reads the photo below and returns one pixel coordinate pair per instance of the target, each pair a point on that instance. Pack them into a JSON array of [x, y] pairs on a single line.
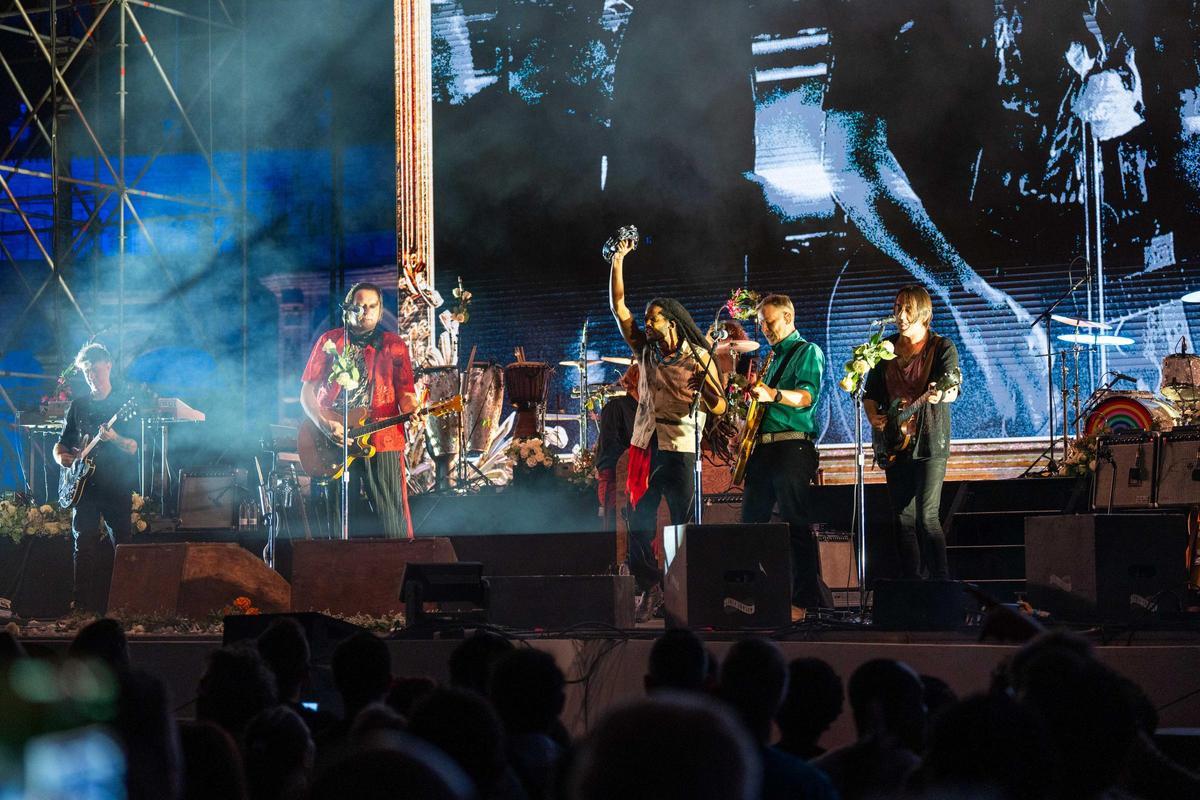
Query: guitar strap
[[784, 365]]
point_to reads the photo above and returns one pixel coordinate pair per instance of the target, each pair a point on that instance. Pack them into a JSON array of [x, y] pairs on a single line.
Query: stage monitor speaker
[[916, 605], [1106, 566], [728, 576], [209, 498], [1128, 480], [539, 553], [557, 602], [456, 586], [192, 580], [1178, 481], [358, 576]]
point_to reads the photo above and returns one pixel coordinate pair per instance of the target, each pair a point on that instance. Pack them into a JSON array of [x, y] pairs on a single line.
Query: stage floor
[[605, 667]]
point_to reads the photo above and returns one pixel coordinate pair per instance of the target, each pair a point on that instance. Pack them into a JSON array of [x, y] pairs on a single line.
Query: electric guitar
[[321, 457], [898, 435], [754, 417], [73, 479]]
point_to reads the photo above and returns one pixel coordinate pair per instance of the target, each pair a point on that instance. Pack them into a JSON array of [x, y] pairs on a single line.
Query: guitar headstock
[[452, 406]]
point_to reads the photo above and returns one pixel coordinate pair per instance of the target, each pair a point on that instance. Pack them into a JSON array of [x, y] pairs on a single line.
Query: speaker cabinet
[[728, 576], [1106, 566], [1128, 480], [358, 576], [209, 498], [556, 602], [1178, 481], [915, 605], [192, 580]]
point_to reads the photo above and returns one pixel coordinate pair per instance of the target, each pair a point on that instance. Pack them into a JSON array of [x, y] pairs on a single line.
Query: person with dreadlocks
[[679, 383]]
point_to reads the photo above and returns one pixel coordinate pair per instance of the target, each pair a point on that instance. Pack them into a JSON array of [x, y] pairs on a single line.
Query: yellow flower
[[849, 383], [141, 526], [329, 347], [347, 382], [138, 501], [886, 345], [861, 366], [47, 510]]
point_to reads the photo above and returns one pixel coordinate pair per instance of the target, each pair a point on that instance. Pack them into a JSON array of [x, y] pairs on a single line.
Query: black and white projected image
[[834, 150]]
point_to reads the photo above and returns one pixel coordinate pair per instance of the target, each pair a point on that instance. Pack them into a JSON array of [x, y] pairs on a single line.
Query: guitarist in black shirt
[[924, 361], [109, 491]]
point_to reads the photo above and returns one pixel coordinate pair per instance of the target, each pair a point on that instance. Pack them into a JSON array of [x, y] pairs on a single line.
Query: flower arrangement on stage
[[344, 369], [139, 516], [743, 303], [242, 606], [20, 518], [530, 457], [1081, 455], [582, 473], [864, 359]]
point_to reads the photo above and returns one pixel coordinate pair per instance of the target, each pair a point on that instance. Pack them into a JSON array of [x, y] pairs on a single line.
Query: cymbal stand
[[1065, 391], [1052, 466], [583, 388]]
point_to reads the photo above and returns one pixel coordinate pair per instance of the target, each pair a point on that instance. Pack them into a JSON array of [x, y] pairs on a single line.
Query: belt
[[784, 436]]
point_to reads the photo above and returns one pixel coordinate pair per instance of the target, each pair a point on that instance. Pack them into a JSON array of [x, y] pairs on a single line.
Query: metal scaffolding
[[74, 65]]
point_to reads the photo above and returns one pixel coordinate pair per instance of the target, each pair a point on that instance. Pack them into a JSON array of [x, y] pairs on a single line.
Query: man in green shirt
[[784, 461]]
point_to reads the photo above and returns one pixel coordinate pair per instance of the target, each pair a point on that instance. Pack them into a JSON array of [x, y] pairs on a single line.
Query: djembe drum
[[485, 404], [527, 382]]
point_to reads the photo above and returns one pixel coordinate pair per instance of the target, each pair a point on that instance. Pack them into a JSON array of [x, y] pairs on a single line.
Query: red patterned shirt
[[389, 370]]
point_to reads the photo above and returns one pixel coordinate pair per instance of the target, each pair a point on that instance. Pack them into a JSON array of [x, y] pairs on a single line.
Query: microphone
[[720, 334], [1121, 376], [888, 320]]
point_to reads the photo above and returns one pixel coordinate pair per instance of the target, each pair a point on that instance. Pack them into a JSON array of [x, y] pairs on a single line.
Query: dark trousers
[[672, 476], [915, 491], [782, 472], [94, 541]]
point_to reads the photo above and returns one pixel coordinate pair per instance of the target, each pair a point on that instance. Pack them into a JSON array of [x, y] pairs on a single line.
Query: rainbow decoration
[[1119, 414]]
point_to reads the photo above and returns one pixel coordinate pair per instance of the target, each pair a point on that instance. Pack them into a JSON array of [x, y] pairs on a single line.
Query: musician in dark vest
[[915, 479], [784, 461], [678, 383], [385, 386], [104, 509]]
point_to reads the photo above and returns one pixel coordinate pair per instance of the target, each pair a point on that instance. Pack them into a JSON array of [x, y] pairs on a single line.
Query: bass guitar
[[73, 479], [321, 457], [754, 417], [899, 434]]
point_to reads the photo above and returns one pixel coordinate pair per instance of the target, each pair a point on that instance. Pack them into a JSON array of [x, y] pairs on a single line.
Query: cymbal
[[1080, 323], [624, 361], [1191, 297], [735, 346], [1099, 338], [577, 364]]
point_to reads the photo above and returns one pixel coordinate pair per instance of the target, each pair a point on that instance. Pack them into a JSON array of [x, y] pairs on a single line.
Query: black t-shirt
[[616, 430], [115, 469], [933, 421]]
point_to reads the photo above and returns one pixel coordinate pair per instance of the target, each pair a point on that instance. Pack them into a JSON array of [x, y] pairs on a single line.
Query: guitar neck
[[372, 427], [96, 439]]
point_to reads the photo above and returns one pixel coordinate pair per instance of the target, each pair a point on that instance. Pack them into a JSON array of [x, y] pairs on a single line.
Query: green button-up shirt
[[802, 370]]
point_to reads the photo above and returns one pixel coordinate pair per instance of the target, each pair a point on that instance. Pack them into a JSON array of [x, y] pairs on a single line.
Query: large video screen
[[998, 153]]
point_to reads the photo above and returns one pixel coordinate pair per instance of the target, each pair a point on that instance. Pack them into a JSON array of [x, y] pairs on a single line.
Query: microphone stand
[[860, 487], [345, 504]]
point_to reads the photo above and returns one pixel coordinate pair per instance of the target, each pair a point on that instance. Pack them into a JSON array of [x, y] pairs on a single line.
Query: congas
[[527, 382], [1130, 411], [1181, 377], [441, 433]]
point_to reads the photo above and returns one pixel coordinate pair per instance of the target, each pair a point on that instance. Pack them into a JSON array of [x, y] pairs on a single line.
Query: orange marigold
[[252, 610], [243, 603]]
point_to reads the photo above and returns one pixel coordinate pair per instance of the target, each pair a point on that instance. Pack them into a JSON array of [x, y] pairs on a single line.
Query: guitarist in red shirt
[[385, 387], [108, 492], [924, 371]]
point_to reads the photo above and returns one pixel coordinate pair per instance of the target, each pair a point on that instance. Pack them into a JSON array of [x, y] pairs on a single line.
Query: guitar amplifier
[[1178, 481], [209, 498], [1127, 477]]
